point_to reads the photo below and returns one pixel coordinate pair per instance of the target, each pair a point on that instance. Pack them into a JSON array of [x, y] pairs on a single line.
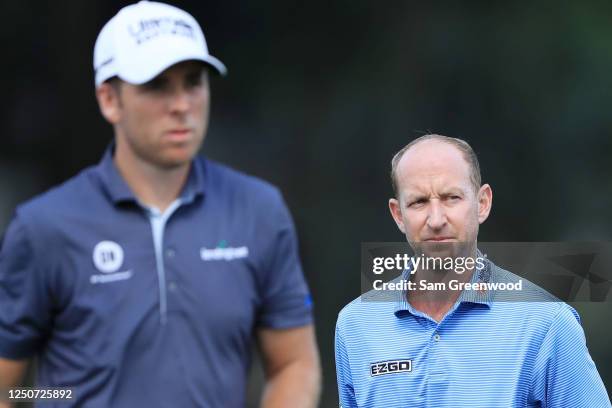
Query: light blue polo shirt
[[483, 354]]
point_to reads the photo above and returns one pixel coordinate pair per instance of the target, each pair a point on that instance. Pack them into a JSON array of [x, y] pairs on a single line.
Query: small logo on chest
[[390, 367], [224, 253], [108, 256]]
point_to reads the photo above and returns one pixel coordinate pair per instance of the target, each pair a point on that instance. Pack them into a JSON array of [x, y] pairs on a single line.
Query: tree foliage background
[[321, 94]]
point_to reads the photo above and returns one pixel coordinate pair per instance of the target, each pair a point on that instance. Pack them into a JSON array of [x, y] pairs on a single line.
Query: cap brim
[[156, 67], [216, 64]]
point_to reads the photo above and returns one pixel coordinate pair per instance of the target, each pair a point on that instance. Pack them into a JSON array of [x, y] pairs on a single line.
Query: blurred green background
[[321, 94]]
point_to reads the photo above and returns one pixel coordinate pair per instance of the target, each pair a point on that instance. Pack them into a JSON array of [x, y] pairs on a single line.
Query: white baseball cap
[[145, 38]]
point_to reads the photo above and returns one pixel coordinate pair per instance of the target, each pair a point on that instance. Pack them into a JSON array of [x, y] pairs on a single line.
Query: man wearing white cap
[[144, 280]]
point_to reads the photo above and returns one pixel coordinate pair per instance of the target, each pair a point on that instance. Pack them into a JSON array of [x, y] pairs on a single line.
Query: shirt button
[[172, 286], [436, 337], [170, 253]]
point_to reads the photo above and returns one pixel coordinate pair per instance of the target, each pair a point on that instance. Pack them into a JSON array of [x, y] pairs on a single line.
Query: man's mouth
[[179, 134]]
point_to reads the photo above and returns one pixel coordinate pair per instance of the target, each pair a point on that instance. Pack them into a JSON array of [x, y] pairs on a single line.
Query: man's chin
[[176, 156], [175, 161], [441, 249]]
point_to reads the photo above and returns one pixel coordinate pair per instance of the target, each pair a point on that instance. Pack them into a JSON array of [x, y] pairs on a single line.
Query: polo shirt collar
[[120, 192], [402, 306], [194, 187]]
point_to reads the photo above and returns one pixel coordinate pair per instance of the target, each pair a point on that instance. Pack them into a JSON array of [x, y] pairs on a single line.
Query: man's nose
[[180, 100], [436, 219]]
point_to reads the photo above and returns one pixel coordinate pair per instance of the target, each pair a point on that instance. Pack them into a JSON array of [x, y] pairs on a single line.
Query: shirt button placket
[[172, 285]]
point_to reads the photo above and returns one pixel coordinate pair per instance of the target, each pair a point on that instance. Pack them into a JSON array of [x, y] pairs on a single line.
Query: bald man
[[445, 344]]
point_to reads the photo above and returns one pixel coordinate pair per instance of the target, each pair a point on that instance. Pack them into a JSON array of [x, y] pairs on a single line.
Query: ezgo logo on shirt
[[390, 367]]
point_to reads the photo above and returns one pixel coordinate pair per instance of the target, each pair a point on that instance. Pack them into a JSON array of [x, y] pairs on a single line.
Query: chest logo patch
[[390, 367], [224, 254], [108, 256]]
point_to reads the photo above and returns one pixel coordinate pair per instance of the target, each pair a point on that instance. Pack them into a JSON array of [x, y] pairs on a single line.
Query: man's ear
[[485, 201], [109, 102], [396, 213]]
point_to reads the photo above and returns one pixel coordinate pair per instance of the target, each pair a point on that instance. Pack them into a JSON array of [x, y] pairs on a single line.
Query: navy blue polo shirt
[[133, 307]]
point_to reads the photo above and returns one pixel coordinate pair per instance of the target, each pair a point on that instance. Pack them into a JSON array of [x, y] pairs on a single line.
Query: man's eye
[[155, 85], [194, 81], [452, 198], [416, 203]]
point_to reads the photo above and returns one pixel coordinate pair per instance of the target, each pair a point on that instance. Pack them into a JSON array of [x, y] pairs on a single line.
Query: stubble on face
[[439, 206], [163, 122]]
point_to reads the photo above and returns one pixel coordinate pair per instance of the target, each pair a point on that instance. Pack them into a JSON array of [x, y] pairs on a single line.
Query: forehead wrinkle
[[431, 163], [436, 185]]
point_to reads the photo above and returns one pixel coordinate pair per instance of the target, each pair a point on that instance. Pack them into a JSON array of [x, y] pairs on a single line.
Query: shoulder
[[529, 292], [367, 310], [38, 222], [66, 198], [222, 177], [532, 304], [254, 200]]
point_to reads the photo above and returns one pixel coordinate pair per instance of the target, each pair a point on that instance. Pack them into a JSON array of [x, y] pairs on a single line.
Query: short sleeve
[[24, 300], [564, 373], [286, 300], [346, 392]]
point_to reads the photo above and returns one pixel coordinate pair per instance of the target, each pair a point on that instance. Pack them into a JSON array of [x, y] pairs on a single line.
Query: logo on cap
[[146, 29], [108, 256]]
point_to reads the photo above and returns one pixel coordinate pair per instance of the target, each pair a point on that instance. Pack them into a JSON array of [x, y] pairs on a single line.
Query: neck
[[154, 186], [437, 299]]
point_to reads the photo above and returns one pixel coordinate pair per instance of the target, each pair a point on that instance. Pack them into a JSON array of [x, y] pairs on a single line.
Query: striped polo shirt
[[486, 352]]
